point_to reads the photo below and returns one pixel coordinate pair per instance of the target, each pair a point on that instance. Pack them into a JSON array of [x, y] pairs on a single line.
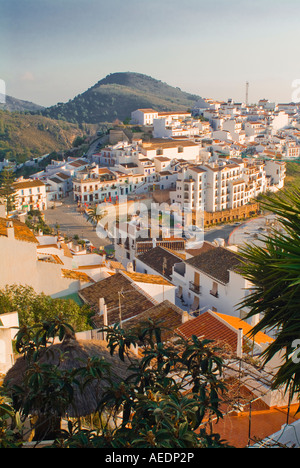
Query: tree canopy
[[33, 308], [170, 390], [7, 192], [274, 270]]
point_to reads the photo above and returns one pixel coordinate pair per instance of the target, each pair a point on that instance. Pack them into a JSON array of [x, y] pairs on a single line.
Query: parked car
[[87, 242]]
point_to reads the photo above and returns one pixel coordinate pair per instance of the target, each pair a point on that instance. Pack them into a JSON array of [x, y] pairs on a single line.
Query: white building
[[226, 183], [30, 195], [26, 261], [58, 186], [276, 172], [105, 185], [184, 128], [172, 149], [146, 117], [143, 116], [210, 281], [235, 128], [191, 186], [279, 120], [253, 128]]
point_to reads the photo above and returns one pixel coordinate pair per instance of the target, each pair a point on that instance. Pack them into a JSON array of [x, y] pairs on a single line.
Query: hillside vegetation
[[23, 135], [18, 105], [117, 95], [292, 175]]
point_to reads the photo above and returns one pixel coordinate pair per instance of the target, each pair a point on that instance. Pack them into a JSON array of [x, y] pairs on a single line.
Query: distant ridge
[[18, 105], [117, 95]]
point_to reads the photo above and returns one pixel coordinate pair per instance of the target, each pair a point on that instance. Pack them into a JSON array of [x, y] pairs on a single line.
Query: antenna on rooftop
[[247, 92]]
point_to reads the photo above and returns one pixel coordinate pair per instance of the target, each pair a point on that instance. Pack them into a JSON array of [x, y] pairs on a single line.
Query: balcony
[[196, 288]]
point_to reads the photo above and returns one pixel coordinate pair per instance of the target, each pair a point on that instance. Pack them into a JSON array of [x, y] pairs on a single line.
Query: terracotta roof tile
[[145, 278], [219, 327], [208, 326], [28, 184], [21, 231], [76, 275]]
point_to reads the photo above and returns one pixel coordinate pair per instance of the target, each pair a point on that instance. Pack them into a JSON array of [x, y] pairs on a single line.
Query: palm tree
[[94, 215], [274, 269]]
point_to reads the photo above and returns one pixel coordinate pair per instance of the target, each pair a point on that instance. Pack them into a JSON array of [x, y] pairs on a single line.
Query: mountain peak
[[117, 95]]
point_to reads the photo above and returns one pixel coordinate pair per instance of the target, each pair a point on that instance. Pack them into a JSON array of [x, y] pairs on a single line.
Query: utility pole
[[120, 293], [164, 269], [247, 93]]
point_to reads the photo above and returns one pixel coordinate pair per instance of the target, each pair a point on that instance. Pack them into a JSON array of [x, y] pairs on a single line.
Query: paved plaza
[[71, 222]]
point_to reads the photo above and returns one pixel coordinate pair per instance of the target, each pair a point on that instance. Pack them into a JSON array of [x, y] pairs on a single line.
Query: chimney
[[103, 311], [2, 211], [185, 316], [239, 350], [10, 229]]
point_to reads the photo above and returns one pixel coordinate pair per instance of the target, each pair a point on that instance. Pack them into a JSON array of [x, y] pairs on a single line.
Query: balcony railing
[[195, 287]]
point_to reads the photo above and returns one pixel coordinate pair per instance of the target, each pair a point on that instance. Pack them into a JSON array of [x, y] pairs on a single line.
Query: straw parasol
[[76, 354]]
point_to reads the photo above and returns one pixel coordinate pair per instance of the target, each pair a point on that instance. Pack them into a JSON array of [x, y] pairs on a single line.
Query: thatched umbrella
[[76, 354]]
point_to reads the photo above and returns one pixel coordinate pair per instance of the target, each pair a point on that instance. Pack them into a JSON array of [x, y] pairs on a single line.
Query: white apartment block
[[30, 195], [191, 188], [226, 184]]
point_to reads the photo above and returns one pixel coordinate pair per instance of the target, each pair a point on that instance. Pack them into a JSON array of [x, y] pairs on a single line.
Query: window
[[214, 290]]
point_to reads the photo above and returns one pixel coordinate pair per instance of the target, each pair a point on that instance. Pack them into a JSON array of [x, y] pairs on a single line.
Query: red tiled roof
[[208, 326], [219, 327], [21, 231]]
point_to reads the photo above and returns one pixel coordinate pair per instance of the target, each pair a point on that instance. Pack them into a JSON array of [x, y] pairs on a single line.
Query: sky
[[53, 50]]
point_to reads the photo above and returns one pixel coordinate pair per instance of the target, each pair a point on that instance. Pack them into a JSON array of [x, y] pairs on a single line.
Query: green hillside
[[117, 95], [23, 135]]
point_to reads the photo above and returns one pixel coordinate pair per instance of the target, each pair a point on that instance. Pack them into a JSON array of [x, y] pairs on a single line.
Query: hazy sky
[[52, 50]]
